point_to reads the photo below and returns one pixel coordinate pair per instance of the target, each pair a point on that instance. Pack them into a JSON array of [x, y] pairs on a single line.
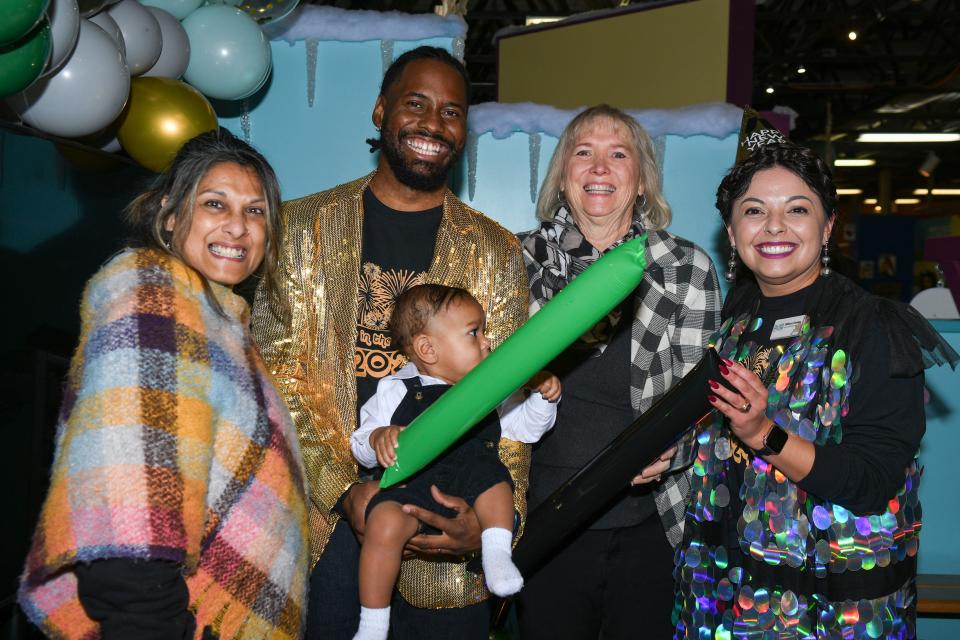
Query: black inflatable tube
[[581, 497]]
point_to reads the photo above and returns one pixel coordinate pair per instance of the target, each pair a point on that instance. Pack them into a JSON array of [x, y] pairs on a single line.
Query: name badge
[[787, 327]]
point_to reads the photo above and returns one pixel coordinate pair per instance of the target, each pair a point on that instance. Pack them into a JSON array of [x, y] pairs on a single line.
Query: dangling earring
[[731, 273], [825, 269], [642, 202], [560, 197]]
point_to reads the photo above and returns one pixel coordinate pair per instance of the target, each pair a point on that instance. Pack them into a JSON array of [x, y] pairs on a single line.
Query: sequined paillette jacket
[[311, 351], [762, 554]]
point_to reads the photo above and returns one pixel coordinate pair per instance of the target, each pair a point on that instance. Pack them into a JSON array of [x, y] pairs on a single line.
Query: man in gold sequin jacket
[[347, 254]]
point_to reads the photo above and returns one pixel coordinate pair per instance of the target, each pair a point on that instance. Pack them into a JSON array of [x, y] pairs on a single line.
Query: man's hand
[[355, 505], [384, 443], [461, 533]]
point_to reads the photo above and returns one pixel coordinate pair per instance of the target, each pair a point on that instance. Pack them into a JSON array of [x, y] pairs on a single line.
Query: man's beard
[[410, 173]]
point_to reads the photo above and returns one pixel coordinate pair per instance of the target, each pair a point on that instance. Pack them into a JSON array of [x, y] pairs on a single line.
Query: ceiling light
[[531, 20], [852, 35], [854, 162], [769, 89], [870, 201], [801, 69], [929, 164], [908, 137], [936, 192], [877, 209], [907, 201], [849, 192]]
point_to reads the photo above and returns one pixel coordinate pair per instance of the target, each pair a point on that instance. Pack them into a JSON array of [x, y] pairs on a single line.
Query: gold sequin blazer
[[310, 350]]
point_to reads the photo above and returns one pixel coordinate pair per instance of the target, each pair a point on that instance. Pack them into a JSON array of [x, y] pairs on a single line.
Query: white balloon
[[141, 34], [86, 95], [175, 54], [179, 9], [108, 24], [64, 29]]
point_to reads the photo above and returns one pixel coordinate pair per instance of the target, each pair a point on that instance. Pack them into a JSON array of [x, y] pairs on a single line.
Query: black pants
[[333, 611], [609, 584]]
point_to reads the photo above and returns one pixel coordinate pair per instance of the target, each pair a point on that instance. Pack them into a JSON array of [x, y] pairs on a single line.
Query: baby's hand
[[384, 441], [547, 384]]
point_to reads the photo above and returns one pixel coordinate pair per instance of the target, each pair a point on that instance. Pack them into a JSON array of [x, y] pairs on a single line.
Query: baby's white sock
[[502, 576], [374, 624]]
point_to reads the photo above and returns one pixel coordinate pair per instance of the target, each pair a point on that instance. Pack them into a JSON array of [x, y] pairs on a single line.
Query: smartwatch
[[774, 441]]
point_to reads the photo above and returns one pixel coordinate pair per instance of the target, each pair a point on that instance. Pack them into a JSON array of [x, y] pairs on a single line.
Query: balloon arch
[[132, 74]]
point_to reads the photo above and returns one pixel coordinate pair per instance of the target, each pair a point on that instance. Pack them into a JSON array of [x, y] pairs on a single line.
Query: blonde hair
[[655, 211]]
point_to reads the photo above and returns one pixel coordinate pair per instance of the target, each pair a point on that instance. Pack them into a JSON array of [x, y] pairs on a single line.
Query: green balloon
[[22, 63], [564, 319], [19, 17]]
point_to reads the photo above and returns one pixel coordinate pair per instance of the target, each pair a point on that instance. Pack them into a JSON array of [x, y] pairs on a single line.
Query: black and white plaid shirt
[[677, 309]]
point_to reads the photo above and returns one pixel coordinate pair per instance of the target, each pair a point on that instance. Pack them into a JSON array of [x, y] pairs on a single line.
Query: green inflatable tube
[[568, 316]]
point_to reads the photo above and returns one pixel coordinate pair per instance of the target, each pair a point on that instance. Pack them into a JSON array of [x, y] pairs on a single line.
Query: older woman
[[602, 189], [176, 506], [804, 516]]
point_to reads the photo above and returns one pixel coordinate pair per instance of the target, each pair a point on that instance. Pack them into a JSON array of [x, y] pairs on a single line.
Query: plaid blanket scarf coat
[[677, 309], [172, 444]]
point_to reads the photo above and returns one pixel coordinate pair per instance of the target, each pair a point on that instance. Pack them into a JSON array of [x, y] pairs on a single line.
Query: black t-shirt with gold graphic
[[397, 251]]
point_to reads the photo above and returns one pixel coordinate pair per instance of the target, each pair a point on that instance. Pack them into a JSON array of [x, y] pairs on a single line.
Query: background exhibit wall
[[50, 211], [315, 147]]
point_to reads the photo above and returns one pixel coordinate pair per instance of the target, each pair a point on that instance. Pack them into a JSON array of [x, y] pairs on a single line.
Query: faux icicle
[[473, 141], [660, 151], [459, 48], [534, 166], [311, 70], [245, 121], [386, 54]]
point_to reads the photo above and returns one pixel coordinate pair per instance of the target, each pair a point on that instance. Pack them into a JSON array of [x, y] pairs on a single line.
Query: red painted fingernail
[[729, 363], [712, 399], [713, 385], [724, 370]]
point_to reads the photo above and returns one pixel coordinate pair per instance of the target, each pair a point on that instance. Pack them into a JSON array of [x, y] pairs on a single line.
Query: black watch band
[[773, 442]]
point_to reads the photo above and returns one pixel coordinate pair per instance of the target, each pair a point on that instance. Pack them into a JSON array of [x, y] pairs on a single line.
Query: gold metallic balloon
[[161, 115]]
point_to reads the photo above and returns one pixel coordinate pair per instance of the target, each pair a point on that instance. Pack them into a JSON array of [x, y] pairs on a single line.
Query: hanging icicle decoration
[[386, 54], [472, 142], [660, 150], [245, 121], [311, 70], [534, 166], [459, 48]]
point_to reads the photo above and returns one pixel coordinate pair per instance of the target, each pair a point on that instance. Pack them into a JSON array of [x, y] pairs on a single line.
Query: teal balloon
[[24, 61], [229, 54], [179, 9], [19, 17], [555, 327]]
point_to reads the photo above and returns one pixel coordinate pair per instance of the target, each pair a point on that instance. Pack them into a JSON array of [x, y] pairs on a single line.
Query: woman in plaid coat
[[176, 506], [602, 189]]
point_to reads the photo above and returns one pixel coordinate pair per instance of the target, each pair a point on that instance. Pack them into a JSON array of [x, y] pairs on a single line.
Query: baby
[[440, 330]]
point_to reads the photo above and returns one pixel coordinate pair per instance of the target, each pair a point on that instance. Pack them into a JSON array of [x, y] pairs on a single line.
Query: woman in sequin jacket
[[804, 516]]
